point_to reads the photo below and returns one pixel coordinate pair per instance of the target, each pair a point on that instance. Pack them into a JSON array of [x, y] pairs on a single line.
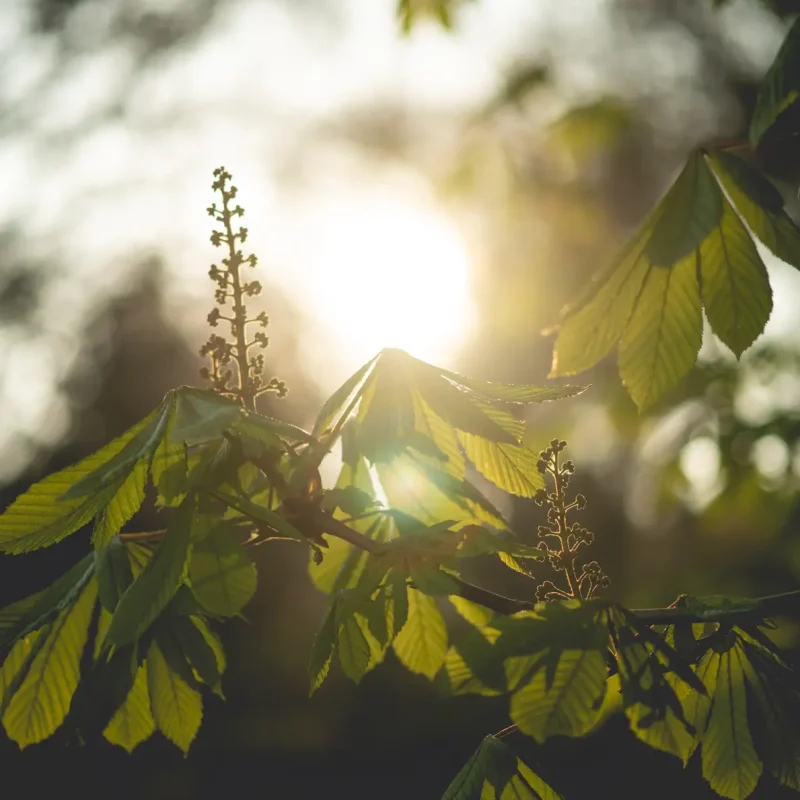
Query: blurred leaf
[[157, 583], [780, 86], [421, 644], [353, 648], [222, 574], [196, 644], [177, 708], [42, 701]]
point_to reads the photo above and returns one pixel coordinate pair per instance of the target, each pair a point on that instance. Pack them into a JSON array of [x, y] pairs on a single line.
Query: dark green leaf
[[780, 86], [759, 203], [157, 583], [202, 415], [222, 574], [690, 210], [114, 574], [324, 644]]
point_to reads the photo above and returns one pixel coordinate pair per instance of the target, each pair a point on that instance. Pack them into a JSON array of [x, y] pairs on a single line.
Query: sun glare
[[385, 274]]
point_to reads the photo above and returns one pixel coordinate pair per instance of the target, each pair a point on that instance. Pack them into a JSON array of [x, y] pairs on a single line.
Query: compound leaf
[[421, 644], [42, 701]]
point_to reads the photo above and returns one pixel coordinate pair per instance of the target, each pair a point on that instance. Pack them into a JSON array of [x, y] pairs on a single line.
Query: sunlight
[[382, 272]]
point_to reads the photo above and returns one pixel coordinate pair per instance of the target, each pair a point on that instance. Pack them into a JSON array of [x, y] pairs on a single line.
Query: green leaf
[[202, 415], [25, 616], [593, 327], [569, 707], [779, 88], [421, 644], [324, 644], [730, 762], [353, 648], [122, 506], [265, 430], [141, 442], [775, 704], [196, 644], [689, 212], [114, 573], [43, 699], [664, 335], [510, 467], [60, 504], [133, 721], [346, 393], [734, 284], [428, 423], [177, 708], [513, 393], [760, 205], [560, 685], [157, 583], [222, 574], [467, 784], [493, 771]]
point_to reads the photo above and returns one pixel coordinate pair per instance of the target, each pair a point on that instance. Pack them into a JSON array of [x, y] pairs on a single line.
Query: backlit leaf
[[133, 721], [421, 644], [177, 708], [663, 337], [44, 515], [122, 506], [202, 415], [222, 574], [779, 88], [734, 284], [349, 391], [43, 699], [760, 204], [511, 467], [730, 762]]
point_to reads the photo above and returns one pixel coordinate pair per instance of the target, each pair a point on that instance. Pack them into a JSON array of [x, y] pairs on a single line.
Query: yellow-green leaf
[[734, 284], [43, 699], [177, 708], [664, 334], [730, 762], [570, 706], [421, 644], [133, 721], [122, 506], [511, 467]]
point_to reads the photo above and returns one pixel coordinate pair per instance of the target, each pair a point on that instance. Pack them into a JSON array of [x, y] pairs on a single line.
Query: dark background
[[588, 116]]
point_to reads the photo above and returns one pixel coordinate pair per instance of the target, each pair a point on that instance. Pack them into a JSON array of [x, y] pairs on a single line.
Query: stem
[[238, 324], [563, 533]]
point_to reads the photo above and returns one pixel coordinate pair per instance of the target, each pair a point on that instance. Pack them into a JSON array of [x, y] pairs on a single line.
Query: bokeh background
[[443, 192]]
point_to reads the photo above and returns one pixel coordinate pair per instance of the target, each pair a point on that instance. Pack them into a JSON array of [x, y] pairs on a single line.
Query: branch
[[761, 608]]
